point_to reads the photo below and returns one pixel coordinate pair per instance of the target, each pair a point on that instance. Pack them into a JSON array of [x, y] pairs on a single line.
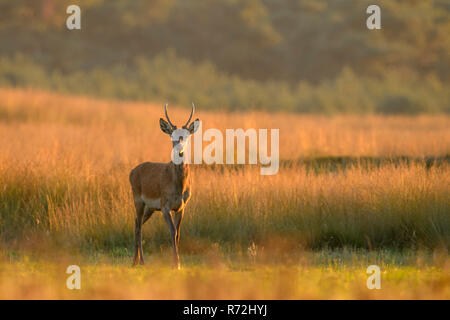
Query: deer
[[164, 187]]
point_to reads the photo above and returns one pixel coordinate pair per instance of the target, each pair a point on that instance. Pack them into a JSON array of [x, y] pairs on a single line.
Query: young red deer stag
[[163, 186]]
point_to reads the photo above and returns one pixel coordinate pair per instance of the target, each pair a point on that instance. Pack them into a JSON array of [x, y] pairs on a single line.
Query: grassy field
[[336, 274], [351, 191]]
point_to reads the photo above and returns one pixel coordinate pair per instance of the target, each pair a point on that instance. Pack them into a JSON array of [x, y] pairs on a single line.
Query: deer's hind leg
[[138, 256], [147, 214]]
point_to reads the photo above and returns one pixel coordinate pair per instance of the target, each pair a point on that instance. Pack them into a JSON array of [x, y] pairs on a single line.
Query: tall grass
[[64, 167]]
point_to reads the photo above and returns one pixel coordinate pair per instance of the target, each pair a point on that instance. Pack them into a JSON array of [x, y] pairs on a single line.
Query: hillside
[[296, 56]]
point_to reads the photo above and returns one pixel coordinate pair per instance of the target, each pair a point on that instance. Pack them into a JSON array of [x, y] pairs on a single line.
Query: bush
[[168, 77]]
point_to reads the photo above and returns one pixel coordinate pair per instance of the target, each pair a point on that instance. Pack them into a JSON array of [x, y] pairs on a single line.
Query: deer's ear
[[165, 127], [194, 126]]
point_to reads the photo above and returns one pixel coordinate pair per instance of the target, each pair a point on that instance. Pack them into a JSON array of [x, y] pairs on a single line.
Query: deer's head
[[179, 136]]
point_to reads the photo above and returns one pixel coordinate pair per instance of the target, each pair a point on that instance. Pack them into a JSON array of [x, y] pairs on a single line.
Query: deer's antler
[[167, 116], [190, 117]]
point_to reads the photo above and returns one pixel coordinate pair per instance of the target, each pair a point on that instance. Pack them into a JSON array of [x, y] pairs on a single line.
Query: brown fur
[[169, 182], [164, 187]]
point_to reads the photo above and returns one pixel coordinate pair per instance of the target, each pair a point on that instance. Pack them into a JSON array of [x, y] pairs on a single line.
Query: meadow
[[352, 190]]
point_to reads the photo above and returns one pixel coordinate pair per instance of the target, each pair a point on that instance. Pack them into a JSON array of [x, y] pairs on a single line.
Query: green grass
[[326, 274]]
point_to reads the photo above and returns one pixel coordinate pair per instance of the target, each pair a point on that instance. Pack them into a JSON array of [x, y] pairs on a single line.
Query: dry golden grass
[[51, 129], [64, 165]]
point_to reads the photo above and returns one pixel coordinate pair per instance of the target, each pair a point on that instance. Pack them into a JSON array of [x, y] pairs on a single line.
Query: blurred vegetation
[[312, 56]]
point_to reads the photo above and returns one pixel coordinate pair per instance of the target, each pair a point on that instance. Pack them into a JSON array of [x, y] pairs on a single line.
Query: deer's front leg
[[178, 218], [173, 235]]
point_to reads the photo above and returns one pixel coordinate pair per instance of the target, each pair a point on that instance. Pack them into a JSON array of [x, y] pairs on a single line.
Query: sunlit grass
[[325, 275], [393, 206], [65, 196]]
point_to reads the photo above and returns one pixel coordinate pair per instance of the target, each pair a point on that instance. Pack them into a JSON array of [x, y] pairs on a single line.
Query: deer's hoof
[[136, 262], [177, 266]]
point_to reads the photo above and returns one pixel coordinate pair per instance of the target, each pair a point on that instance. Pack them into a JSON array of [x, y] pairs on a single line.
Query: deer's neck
[[181, 176]]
